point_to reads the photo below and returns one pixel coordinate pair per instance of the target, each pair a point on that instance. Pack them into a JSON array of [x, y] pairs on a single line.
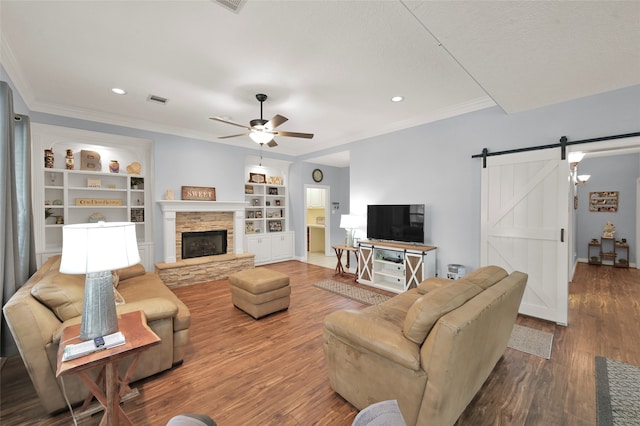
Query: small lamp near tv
[[95, 249], [350, 223]]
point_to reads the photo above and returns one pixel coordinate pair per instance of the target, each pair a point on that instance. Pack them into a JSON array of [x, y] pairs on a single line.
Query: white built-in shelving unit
[[266, 216], [67, 196]]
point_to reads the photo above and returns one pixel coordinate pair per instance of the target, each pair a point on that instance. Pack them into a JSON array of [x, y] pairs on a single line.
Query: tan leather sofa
[[430, 348], [47, 303]]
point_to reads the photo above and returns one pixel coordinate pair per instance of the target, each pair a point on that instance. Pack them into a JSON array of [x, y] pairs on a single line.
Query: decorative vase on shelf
[[48, 158], [69, 159], [114, 166]]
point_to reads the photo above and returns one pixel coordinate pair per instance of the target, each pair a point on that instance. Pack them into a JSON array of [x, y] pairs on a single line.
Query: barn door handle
[[562, 235]]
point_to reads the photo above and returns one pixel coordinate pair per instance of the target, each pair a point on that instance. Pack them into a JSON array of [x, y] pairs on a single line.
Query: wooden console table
[[340, 249], [395, 266], [139, 337]]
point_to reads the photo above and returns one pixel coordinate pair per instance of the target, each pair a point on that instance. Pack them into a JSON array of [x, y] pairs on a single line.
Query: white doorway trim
[[327, 218]]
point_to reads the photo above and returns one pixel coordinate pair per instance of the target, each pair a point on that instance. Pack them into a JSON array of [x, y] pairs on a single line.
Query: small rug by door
[[617, 392], [354, 292], [531, 341]]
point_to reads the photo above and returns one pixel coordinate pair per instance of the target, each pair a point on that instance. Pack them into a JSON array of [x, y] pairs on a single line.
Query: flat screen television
[[396, 222]]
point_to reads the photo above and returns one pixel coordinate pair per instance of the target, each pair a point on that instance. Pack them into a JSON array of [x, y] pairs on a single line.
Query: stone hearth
[[202, 269]]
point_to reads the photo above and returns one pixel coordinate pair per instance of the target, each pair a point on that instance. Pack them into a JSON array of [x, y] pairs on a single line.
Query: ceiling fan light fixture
[[261, 137]]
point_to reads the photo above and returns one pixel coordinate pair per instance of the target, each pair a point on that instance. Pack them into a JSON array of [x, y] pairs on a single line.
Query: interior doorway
[[618, 147], [317, 220]]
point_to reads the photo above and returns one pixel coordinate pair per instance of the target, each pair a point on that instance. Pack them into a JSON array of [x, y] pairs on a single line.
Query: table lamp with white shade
[[95, 249], [350, 223]]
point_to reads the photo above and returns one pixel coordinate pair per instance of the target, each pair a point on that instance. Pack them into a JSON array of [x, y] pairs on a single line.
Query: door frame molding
[[327, 218]]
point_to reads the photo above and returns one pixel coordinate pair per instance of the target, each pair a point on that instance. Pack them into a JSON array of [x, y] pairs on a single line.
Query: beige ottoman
[[260, 291]]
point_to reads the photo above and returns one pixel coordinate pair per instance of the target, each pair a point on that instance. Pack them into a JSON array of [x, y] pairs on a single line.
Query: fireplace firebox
[[204, 243]]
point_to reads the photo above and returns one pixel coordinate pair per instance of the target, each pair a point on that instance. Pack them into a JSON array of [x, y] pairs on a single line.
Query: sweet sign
[[199, 193]]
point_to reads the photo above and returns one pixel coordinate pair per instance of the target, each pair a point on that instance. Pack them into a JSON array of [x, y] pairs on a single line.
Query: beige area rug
[[531, 341], [524, 339], [617, 392], [354, 292]]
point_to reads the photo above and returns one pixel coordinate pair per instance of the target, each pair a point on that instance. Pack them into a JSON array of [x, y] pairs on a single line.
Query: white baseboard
[[583, 260]]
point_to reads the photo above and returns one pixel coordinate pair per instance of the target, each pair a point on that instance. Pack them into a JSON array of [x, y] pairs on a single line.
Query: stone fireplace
[[203, 243], [196, 223], [196, 218]]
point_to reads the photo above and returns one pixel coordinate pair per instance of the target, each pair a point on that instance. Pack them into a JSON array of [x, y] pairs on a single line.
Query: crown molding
[[15, 73]]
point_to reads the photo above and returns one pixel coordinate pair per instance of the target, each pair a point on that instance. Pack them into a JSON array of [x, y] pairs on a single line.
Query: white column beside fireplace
[[171, 207]]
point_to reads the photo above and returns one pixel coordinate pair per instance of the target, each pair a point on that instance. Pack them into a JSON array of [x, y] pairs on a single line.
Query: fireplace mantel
[[171, 207]]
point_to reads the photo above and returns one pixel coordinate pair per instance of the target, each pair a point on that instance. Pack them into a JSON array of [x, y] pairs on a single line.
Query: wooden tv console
[[395, 266]]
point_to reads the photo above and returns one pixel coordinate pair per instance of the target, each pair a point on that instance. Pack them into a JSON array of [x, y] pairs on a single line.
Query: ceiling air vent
[[232, 5], [157, 99]]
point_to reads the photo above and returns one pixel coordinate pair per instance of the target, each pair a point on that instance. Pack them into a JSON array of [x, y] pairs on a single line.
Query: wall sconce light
[[574, 159], [581, 179]]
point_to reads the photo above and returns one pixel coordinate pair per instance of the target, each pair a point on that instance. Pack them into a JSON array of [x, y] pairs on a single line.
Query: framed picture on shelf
[[273, 191], [137, 215], [275, 226], [248, 227], [257, 177], [248, 189]]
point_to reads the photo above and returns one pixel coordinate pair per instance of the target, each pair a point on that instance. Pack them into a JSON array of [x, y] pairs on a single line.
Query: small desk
[[138, 336], [341, 248]]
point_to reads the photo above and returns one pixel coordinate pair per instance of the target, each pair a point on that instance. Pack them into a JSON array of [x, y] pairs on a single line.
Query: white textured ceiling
[[331, 67]]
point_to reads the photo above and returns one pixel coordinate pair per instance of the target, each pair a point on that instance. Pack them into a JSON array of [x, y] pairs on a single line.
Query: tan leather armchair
[[430, 348]]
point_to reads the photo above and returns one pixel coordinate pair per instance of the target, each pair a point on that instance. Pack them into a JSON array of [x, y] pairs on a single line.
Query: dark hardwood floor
[[272, 371]]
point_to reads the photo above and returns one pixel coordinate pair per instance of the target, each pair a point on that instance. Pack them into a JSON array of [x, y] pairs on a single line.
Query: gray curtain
[[17, 248]]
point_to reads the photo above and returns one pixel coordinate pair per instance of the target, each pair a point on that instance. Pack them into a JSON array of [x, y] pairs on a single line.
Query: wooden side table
[[139, 337], [340, 249]]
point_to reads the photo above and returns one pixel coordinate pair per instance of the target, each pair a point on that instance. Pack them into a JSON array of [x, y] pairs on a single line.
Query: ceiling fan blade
[[275, 121], [272, 143], [229, 122], [233, 136], [294, 134]]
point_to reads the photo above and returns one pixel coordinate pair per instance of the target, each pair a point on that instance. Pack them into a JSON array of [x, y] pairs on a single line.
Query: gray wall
[[614, 173], [432, 163]]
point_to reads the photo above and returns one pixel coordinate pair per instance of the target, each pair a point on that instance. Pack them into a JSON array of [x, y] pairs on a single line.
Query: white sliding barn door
[[524, 218]]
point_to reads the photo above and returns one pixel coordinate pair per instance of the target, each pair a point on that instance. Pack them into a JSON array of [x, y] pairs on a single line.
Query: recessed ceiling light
[[397, 99], [119, 91]]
